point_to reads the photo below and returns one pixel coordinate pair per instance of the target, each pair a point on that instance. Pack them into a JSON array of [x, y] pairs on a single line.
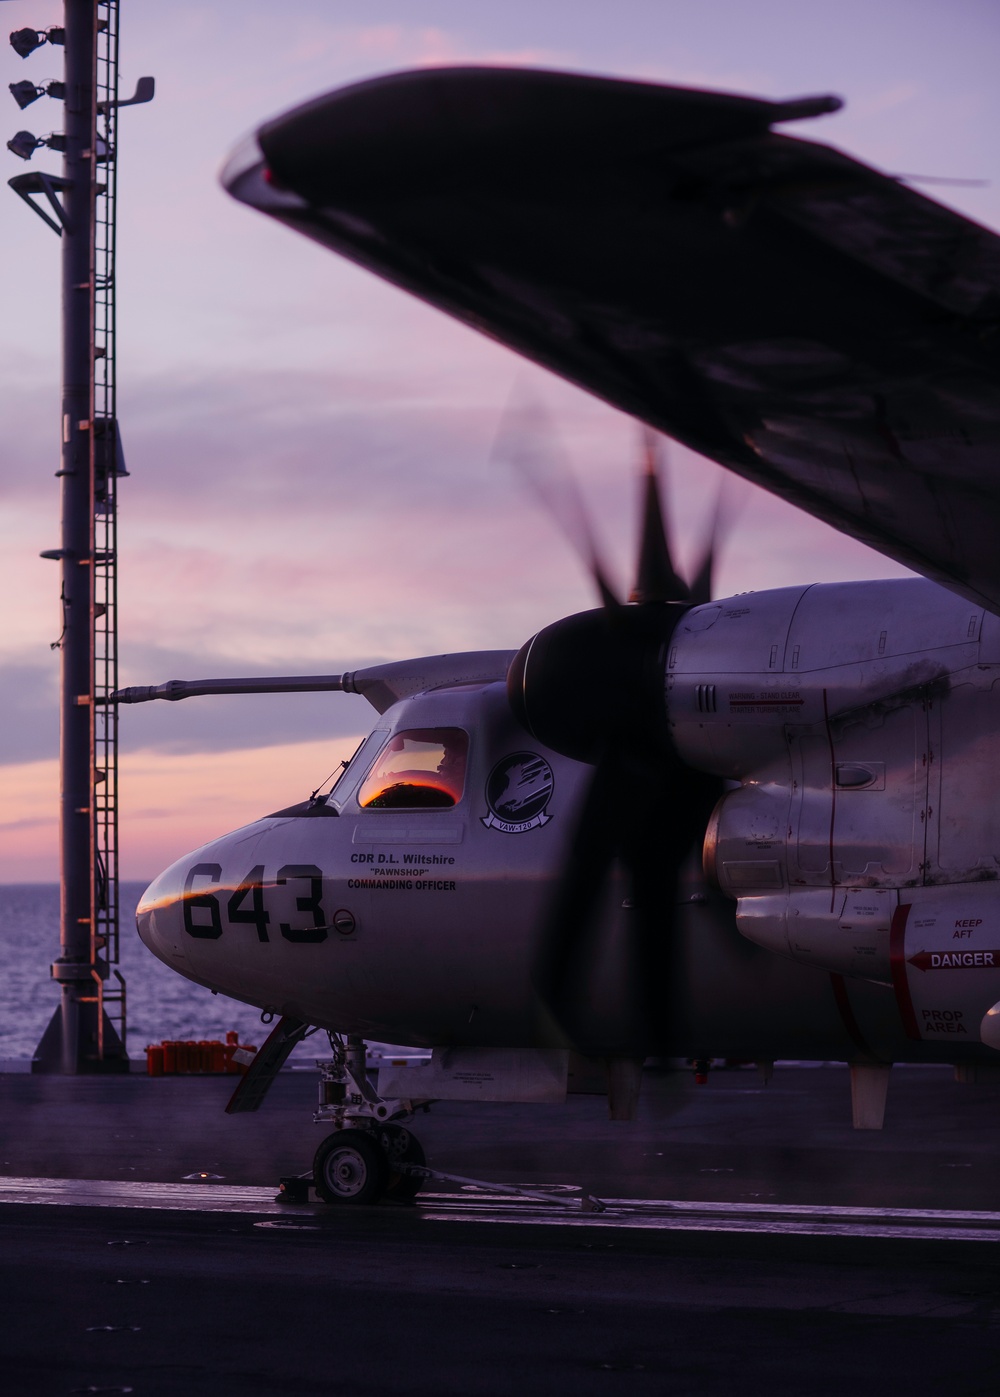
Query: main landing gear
[[370, 1156]]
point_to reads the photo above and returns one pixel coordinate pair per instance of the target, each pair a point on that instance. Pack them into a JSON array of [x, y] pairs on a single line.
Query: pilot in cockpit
[[421, 768]]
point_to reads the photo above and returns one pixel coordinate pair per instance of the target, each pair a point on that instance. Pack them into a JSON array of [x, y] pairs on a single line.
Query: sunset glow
[[313, 485]]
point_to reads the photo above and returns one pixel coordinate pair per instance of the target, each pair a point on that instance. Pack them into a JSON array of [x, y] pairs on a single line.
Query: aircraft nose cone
[[160, 917]]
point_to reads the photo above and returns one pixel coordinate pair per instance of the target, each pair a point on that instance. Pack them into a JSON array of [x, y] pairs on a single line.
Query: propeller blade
[[654, 846], [566, 960], [701, 582], [642, 814], [591, 687], [657, 580], [670, 809], [728, 502], [626, 824], [526, 441]]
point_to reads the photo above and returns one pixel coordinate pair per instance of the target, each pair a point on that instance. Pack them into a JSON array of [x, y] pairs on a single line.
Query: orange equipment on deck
[[175, 1057]]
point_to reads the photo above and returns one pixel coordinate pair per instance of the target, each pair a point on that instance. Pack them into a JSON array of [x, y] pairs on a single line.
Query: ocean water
[[161, 1003]]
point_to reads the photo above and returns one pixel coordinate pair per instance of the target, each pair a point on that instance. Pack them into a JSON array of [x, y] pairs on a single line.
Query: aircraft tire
[[401, 1147], [350, 1167]]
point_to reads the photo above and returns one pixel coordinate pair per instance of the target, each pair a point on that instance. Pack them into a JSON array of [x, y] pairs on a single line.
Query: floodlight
[[24, 93], [24, 145], [25, 41]]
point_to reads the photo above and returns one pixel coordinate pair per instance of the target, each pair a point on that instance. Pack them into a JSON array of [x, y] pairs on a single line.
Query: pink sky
[[311, 481]]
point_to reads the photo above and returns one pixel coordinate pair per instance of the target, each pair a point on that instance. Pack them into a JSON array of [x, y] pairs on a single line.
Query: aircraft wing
[[810, 323]]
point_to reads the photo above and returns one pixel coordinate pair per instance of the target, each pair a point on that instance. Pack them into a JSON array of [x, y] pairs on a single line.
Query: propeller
[[527, 443], [656, 579], [592, 687]]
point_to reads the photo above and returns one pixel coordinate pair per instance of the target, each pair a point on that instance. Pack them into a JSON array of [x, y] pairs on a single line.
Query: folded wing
[[805, 320]]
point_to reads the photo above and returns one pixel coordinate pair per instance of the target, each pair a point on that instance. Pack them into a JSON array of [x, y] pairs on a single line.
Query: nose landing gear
[[369, 1156]]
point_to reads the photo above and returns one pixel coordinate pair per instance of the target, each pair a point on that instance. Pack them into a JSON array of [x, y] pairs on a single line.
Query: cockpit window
[[419, 769], [352, 770], [344, 768]]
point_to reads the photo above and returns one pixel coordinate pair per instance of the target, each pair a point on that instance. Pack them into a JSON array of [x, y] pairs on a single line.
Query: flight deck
[[750, 1236]]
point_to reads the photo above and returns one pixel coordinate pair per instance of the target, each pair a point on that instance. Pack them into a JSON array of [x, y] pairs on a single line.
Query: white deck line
[[671, 1215], [113, 1193]]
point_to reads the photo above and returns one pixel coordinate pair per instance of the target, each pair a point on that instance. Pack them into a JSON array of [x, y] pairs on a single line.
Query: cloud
[[886, 99], [408, 45], [29, 451], [169, 803], [172, 804], [286, 514], [29, 849], [311, 483], [42, 822], [29, 702], [289, 521]]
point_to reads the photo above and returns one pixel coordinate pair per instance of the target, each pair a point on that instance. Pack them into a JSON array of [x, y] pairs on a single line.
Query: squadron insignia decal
[[517, 792]]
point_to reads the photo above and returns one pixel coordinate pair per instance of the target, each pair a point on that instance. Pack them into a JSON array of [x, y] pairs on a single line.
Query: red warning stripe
[[849, 1019], [897, 962]]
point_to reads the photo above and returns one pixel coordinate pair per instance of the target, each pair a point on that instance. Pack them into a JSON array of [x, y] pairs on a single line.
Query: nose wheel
[[350, 1167], [362, 1166]]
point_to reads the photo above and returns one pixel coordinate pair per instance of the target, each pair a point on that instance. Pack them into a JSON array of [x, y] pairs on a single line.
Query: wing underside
[[781, 308]]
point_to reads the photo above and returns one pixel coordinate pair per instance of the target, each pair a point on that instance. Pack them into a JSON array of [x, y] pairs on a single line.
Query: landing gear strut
[[369, 1155]]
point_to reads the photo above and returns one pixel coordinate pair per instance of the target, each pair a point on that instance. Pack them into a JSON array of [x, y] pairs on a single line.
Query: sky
[[313, 486]]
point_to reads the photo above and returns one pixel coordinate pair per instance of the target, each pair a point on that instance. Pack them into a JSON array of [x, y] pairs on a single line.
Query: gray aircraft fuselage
[[849, 907]]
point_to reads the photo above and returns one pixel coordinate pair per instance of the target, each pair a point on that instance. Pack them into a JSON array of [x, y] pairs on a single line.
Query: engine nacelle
[[863, 723], [845, 931], [937, 948]]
